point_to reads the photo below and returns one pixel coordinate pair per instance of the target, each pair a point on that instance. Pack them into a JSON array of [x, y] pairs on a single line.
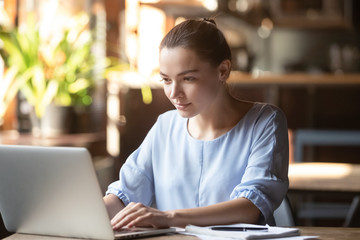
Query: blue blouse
[[173, 170]]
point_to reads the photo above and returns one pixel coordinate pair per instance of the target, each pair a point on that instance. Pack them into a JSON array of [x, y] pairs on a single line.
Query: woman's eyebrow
[[188, 71], [163, 74], [182, 73]]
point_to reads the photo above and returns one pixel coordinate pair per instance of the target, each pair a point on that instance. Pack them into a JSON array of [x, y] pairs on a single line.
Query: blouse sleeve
[[136, 182], [265, 181]]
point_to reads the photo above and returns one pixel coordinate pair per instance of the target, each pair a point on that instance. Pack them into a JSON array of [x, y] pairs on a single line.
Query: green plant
[[56, 70]]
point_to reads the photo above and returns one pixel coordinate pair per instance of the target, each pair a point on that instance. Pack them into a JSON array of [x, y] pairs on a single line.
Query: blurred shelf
[[296, 79], [317, 24], [241, 78], [178, 7], [94, 141]]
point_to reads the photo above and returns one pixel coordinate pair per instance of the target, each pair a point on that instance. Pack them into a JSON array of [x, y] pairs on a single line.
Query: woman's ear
[[224, 70]]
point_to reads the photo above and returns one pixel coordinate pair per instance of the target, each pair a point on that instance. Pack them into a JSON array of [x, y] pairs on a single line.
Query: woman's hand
[[139, 215], [113, 204], [240, 210]]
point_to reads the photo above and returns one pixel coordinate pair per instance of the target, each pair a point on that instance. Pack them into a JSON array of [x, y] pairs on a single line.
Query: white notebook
[[243, 231]]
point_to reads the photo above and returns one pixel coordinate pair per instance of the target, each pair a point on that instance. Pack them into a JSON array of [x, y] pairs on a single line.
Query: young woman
[[213, 160]]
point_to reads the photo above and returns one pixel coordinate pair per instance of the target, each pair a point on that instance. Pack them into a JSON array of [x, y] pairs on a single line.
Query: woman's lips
[[181, 106]]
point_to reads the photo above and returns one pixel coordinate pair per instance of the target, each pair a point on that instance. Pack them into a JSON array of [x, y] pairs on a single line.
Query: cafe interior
[[100, 88]]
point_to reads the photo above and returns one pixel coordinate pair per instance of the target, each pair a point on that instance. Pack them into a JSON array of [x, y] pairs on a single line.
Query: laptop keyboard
[[129, 230]]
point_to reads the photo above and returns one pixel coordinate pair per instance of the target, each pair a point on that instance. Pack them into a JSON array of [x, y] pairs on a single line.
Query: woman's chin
[[184, 114]]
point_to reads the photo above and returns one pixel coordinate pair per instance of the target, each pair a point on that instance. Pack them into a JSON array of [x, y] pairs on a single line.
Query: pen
[[241, 229]]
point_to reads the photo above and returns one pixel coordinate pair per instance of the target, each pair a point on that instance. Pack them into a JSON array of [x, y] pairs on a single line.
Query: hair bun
[[210, 20]]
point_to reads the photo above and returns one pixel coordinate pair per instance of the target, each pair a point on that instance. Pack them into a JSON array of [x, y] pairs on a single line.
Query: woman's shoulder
[[169, 118], [170, 121], [264, 112], [168, 115], [266, 108]]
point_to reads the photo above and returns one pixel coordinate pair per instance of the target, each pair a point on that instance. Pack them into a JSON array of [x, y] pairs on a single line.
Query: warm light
[[267, 23], [242, 5], [4, 18], [320, 170], [264, 30], [131, 20], [132, 48], [151, 30], [179, 20], [150, 1], [113, 113], [131, 14], [133, 79], [112, 139], [50, 16], [210, 5]]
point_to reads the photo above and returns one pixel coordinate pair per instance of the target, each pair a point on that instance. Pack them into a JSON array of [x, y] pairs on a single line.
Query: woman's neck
[[219, 119]]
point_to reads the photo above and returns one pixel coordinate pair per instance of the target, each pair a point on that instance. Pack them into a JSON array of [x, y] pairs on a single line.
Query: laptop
[[55, 191]]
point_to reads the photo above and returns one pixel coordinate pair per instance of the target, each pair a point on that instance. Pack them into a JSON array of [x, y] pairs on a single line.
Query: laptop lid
[[51, 191], [55, 191]]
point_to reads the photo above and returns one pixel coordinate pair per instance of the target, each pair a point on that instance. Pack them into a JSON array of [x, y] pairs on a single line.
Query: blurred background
[[85, 73]]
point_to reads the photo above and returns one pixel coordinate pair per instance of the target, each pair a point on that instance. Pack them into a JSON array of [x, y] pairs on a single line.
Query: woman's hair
[[201, 36]]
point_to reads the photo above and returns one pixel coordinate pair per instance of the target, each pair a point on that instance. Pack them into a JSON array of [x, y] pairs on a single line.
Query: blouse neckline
[[185, 123]]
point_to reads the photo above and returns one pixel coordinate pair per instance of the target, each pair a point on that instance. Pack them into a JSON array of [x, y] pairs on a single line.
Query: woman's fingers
[[139, 215], [141, 220], [123, 217]]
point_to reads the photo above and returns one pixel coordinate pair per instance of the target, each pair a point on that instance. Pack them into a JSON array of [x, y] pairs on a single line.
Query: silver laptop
[[54, 191]]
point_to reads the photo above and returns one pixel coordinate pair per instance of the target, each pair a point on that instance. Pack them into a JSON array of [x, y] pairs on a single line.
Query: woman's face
[[191, 84]]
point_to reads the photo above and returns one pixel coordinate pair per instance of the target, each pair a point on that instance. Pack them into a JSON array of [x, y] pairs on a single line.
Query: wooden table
[[95, 142], [325, 177], [79, 139], [332, 179], [328, 233]]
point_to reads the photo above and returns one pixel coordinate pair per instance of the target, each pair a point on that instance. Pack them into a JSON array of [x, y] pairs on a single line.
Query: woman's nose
[[176, 91]]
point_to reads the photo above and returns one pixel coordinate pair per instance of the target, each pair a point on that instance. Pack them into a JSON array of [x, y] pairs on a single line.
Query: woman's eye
[[165, 80], [189, 78]]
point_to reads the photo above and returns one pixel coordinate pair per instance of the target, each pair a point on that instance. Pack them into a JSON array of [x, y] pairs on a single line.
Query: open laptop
[[55, 191]]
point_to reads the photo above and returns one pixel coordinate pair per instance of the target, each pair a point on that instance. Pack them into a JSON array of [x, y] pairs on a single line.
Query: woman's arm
[[238, 210], [113, 204]]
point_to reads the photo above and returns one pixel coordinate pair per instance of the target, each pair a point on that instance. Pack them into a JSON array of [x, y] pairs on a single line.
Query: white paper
[[273, 232], [207, 237]]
